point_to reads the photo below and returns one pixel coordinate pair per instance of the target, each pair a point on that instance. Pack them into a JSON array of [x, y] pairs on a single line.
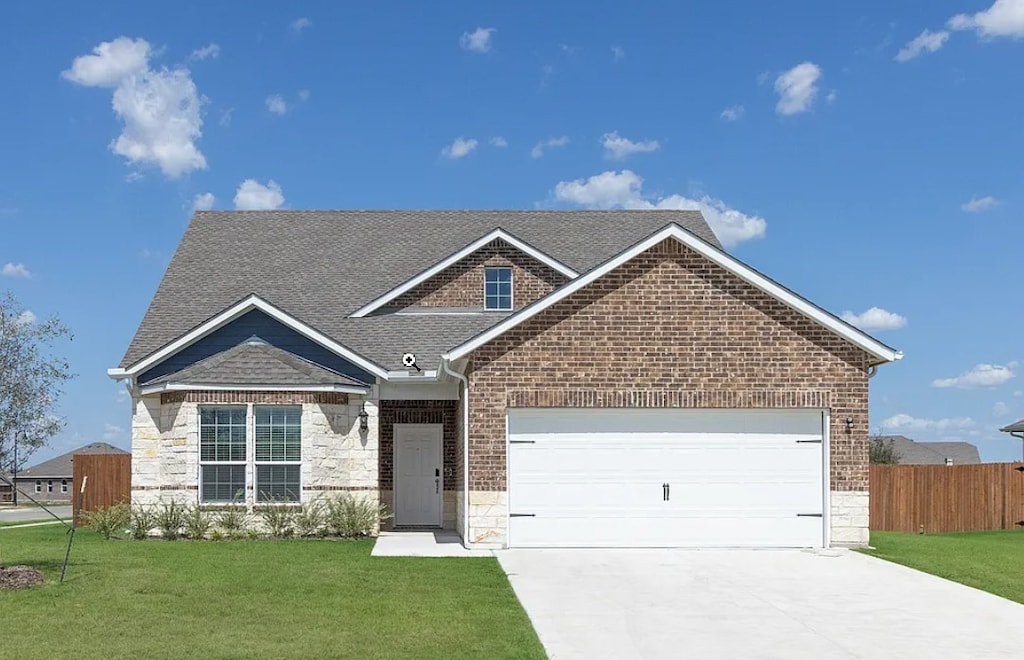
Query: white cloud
[[225, 117], [203, 202], [552, 143], [999, 409], [979, 204], [112, 432], [875, 318], [15, 270], [27, 317], [797, 88], [926, 42], [625, 190], [617, 147], [907, 422], [568, 50], [1018, 393], [477, 41], [206, 52], [277, 104], [618, 53], [300, 24], [159, 108], [1005, 18], [732, 113], [459, 148], [983, 375], [499, 142], [303, 95], [254, 196], [832, 97]]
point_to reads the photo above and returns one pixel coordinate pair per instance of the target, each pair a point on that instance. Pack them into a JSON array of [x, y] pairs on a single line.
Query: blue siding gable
[[269, 330]]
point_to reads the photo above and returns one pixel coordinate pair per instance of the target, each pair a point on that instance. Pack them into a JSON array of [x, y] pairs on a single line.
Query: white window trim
[[459, 256], [511, 289], [250, 463], [64, 486]]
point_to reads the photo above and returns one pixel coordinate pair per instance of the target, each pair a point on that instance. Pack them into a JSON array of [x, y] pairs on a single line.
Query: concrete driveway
[[753, 604], [28, 513]]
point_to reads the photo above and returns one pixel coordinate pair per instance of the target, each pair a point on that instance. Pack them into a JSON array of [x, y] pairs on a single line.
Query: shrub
[[233, 522], [882, 452], [110, 520], [216, 535], [142, 521], [349, 516], [171, 518], [197, 524], [279, 519], [310, 520]]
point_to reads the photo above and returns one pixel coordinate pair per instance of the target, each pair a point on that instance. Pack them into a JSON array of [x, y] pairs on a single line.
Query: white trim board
[[869, 344], [459, 256], [232, 313], [192, 387]]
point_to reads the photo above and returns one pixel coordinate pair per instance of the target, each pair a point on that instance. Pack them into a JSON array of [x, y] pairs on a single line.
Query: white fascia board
[[117, 373], [729, 263], [237, 310], [192, 387], [459, 256], [429, 376]]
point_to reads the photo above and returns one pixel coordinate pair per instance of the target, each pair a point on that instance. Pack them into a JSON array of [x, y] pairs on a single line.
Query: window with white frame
[[498, 288], [268, 460], [64, 486]]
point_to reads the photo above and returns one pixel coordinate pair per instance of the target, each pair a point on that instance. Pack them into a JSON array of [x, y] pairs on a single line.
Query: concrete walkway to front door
[[754, 604], [423, 543]]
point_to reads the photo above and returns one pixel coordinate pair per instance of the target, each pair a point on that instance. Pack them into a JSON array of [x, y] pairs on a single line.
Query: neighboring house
[[51, 480], [527, 378], [931, 453]]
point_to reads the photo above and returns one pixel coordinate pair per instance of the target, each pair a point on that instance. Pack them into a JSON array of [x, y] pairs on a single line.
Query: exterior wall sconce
[[849, 424], [364, 418]]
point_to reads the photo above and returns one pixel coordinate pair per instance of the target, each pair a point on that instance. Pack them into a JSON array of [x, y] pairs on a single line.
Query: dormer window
[[498, 289]]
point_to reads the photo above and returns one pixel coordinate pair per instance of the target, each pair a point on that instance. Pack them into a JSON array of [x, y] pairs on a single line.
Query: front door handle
[[437, 486]]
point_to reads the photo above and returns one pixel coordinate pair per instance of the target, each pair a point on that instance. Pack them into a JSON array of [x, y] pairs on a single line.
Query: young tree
[[31, 381], [881, 451]]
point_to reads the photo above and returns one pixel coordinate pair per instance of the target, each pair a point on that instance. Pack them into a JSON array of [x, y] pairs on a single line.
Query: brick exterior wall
[[462, 284], [669, 329], [420, 412]]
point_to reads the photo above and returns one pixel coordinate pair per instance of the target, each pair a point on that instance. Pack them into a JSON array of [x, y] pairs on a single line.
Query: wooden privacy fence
[[940, 498], [110, 479]]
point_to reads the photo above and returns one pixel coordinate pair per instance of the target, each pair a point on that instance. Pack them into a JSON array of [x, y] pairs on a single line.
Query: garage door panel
[[595, 478]]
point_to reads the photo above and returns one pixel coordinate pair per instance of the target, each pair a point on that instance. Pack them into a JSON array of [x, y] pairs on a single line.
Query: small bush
[[310, 520], [110, 520], [349, 516], [197, 524], [233, 522], [142, 521], [279, 519], [171, 518], [216, 535]]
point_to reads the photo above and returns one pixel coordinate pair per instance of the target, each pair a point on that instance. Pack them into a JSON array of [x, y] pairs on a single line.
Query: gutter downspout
[[1019, 436], [465, 446]]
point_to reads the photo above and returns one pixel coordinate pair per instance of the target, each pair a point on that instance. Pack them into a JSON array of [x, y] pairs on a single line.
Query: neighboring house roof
[[932, 453], [61, 466], [256, 363], [1016, 427], [321, 266]]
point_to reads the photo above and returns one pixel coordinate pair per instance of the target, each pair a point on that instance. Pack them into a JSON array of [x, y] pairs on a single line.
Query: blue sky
[[866, 155]]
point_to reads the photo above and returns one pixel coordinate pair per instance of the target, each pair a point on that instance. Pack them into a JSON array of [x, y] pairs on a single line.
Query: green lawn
[[992, 561], [262, 599]]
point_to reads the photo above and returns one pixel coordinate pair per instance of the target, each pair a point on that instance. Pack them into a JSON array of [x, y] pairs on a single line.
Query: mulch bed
[[19, 577]]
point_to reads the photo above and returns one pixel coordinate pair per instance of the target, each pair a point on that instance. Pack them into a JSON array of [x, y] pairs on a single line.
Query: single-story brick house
[[527, 378]]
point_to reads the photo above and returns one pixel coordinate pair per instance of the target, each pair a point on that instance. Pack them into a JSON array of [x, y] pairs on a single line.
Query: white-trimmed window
[[250, 449], [498, 288], [222, 453], [278, 453], [64, 486]]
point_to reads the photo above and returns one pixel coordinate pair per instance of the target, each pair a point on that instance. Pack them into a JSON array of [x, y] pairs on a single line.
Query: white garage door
[[665, 478]]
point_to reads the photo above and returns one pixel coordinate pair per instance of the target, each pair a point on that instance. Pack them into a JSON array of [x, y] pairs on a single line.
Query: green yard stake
[[74, 526]]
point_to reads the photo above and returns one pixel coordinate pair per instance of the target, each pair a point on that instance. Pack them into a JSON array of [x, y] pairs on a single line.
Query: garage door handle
[[808, 515], [666, 492], [522, 515]]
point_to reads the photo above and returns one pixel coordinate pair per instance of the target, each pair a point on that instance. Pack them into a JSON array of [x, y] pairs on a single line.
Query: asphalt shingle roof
[[256, 363], [320, 266], [1016, 427], [932, 453], [61, 466]]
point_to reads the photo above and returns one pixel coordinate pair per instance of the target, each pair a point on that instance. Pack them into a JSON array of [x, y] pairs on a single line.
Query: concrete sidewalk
[[429, 543]]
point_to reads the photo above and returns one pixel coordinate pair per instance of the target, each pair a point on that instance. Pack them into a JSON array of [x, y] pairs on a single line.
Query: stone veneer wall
[[336, 455], [462, 284], [668, 329]]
